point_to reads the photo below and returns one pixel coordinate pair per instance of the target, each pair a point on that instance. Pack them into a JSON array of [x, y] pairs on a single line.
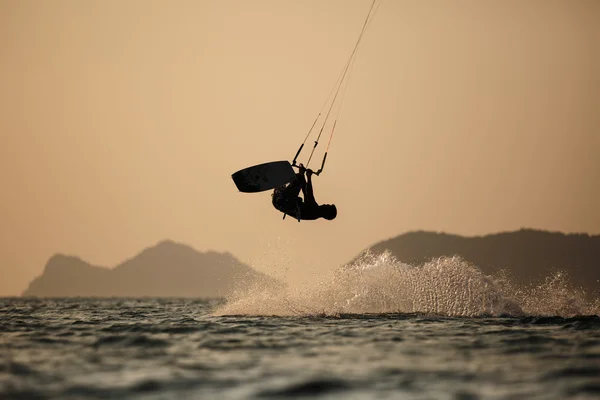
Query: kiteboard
[[261, 177]]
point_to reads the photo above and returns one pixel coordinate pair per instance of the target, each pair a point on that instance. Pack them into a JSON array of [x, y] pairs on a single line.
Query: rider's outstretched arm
[[293, 189], [307, 190]]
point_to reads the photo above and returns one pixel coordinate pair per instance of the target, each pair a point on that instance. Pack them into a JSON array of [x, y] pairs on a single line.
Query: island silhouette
[[529, 256], [171, 269], [167, 269]]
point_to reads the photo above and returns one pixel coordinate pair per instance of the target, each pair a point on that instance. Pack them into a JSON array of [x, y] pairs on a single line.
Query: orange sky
[[122, 121]]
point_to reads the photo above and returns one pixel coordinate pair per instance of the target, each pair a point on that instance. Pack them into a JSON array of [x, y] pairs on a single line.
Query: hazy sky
[[122, 122]]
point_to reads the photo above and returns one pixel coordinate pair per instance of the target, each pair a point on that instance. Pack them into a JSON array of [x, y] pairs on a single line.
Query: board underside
[[267, 176]]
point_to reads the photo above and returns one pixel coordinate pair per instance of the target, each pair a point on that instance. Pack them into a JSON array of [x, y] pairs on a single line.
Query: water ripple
[[177, 348]]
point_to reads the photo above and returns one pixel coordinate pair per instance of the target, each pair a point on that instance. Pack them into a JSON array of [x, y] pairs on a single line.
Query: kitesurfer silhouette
[[286, 199]]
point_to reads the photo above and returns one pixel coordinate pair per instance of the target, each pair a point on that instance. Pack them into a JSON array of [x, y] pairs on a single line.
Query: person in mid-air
[[286, 199]]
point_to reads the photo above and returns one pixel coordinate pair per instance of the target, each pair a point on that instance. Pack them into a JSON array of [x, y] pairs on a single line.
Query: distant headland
[[528, 255], [167, 269]]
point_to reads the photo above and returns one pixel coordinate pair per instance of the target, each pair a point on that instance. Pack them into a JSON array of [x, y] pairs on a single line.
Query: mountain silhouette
[[168, 269], [528, 255], [171, 269]]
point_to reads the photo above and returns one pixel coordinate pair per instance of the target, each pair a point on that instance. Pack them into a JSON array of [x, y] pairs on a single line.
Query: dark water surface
[[178, 349]]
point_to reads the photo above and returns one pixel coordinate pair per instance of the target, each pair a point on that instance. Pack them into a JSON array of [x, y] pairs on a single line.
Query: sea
[[377, 329]]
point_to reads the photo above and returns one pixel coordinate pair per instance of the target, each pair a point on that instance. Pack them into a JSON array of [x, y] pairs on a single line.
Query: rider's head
[[328, 211]]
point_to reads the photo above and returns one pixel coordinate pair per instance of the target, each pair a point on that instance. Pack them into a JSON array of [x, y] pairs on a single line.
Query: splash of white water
[[381, 284]]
